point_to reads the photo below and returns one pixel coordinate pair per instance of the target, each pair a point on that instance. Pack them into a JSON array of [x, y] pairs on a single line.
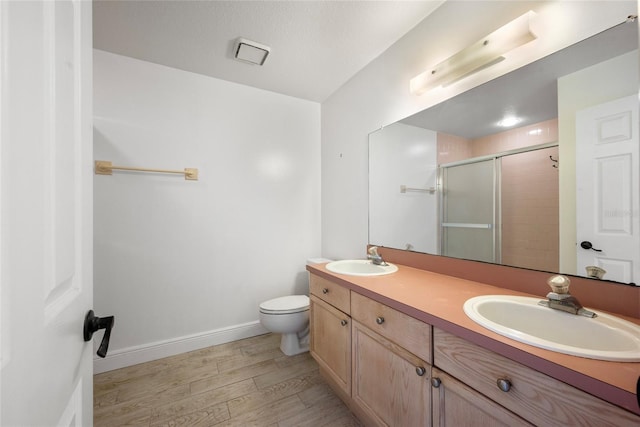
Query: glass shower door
[[468, 213]]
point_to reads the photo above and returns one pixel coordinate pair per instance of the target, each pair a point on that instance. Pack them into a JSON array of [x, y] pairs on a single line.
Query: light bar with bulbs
[[482, 54]]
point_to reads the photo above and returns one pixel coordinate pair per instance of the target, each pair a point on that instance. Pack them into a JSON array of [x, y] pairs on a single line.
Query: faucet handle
[[559, 284], [375, 257]]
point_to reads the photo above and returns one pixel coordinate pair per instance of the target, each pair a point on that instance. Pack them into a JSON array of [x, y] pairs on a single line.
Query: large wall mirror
[[536, 169]]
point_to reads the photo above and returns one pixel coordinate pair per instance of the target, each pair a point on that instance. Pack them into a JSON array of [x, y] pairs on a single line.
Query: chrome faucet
[[375, 257], [560, 299]]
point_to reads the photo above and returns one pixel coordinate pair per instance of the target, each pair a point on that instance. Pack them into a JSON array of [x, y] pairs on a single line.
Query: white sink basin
[[360, 267], [604, 337]]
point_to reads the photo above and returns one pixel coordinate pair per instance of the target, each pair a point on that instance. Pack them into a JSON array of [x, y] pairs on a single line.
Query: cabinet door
[[390, 384], [330, 342], [456, 405]]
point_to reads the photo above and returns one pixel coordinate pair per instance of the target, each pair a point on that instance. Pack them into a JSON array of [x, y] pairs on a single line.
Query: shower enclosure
[[502, 208], [470, 209]]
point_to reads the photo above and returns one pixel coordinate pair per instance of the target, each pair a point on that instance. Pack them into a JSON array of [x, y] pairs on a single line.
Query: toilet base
[[291, 345]]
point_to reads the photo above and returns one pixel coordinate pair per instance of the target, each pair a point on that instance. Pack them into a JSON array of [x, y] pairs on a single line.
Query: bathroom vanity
[[399, 350]]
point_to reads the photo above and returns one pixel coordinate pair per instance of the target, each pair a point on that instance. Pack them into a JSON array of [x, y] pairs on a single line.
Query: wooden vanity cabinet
[[330, 328], [378, 358], [394, 370], [532, 395], [391, 364]]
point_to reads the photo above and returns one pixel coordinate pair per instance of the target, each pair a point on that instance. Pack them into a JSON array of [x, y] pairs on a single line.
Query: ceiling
[[316, 46], [475, 113]]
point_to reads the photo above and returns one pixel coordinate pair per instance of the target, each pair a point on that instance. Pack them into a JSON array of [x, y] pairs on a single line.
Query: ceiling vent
[[251, 52]]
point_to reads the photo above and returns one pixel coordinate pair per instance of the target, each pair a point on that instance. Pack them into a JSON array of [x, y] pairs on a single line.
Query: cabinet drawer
[[410, 333], [536, 397], [454, 404], [336, 295]]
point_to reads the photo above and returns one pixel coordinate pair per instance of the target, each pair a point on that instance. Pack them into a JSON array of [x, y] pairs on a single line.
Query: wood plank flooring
[[244, 383]]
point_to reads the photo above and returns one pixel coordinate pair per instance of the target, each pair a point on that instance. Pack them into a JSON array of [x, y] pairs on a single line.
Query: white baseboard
[[153, 351]]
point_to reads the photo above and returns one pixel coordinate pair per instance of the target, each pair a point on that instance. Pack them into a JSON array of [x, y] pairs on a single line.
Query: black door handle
[[92, 323], [587, 245]]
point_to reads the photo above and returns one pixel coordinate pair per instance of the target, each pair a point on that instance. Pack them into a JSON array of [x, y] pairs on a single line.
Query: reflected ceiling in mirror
[[409, 156], [530, 91]]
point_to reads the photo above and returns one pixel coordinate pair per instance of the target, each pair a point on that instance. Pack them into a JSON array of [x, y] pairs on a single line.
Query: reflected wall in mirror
[[457, 180]]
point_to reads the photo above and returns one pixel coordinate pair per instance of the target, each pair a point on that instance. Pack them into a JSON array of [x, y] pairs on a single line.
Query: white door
[[608, 209], [45, 213]]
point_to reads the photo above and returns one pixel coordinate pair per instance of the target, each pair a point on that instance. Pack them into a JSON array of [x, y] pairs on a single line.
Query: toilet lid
[[285, 305]]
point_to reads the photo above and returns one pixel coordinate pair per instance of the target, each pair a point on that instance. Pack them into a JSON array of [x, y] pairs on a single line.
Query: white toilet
[[288, 316]]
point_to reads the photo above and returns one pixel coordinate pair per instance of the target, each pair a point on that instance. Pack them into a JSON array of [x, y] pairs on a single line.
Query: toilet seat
[[285, 305]]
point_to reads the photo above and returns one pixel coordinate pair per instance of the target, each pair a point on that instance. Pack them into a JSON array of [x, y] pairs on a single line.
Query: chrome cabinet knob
[[343, 322], [435, 382], [420, 371], [325, 291], [379, 320], [504, 384]]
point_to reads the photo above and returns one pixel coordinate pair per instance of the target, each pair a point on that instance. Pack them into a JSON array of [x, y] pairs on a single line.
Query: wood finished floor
[[244, 383]]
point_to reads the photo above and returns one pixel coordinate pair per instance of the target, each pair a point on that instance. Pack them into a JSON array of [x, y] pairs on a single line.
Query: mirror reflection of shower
[[502, 209], [469, 206]]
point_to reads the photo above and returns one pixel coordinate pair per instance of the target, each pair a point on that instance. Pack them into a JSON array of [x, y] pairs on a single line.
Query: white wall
[[183, 264], [406, 155], [379, 95]]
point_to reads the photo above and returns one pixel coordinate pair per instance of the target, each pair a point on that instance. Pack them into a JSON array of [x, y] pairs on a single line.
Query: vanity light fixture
[[482, 54], [251, 52]]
